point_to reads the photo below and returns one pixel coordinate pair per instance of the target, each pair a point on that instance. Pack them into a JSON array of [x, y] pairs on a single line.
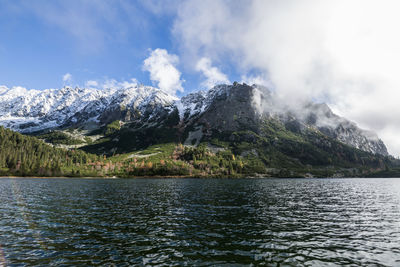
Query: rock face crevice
[[222, 109]]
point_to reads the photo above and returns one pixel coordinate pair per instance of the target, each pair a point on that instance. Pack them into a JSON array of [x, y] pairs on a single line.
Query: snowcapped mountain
[[33, 110], [224, 108]]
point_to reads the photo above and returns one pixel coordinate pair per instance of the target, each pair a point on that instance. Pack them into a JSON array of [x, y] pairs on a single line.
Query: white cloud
[[344, 52], [256, 79], [132, 83], [91, 83], [114, 84], [212, 74], [67, 78], [163, 71], [111, 84]]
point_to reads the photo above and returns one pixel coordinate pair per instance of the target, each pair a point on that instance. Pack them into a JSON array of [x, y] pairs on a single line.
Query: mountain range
[[222, 108], [229, 130]]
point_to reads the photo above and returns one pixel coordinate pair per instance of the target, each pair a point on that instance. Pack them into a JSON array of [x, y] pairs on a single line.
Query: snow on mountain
[[224, 107], [194, 104], [32, 110]]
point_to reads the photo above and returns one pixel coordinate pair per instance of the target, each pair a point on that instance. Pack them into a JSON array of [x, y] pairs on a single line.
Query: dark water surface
[[294, 222]]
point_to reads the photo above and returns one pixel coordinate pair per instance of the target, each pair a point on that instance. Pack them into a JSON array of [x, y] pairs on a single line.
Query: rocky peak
[[240, 106]]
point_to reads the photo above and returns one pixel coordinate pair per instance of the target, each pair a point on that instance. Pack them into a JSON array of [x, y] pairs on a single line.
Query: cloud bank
[[163, 71], [345, 53]]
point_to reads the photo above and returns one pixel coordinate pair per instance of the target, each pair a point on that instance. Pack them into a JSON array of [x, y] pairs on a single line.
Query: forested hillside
[[22, 155], [25, 155], [276, 152]]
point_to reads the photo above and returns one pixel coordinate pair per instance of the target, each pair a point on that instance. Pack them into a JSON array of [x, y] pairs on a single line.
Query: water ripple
[[163, 222]]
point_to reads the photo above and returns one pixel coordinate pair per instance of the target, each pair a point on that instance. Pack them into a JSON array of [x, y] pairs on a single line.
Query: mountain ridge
[[224, 107]]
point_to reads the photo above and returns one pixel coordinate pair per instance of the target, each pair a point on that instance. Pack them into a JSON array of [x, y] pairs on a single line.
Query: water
[[294, 222]]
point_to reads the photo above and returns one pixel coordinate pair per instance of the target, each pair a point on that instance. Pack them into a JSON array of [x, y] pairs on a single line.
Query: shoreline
[[116, 177], [177, 177], [52, 177]]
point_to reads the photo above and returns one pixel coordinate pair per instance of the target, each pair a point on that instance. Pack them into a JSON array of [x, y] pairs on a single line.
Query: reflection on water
[[295, 222]]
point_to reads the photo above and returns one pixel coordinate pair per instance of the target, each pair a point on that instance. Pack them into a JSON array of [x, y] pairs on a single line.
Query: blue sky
[[91, 40]]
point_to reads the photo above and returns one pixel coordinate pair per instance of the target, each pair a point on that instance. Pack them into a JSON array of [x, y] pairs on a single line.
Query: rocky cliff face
[[224, 108], [243, 107]]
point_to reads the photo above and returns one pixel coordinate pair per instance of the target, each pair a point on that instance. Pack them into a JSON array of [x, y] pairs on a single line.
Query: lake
[[231, 222]]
